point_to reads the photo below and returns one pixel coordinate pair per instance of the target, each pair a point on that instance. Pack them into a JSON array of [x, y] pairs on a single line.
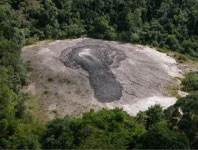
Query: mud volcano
[[97, 61], [69, 77]]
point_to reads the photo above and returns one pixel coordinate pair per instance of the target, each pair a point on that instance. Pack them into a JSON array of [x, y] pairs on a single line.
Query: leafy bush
[[184, 116], [161, 137], [190, 83], [112, 129]]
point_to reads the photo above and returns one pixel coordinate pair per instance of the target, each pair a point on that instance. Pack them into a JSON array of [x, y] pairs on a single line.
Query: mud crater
[[97, 61]]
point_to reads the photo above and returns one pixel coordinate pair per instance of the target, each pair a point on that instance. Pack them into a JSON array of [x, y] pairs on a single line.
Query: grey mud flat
[[70, 77], [95, 60]]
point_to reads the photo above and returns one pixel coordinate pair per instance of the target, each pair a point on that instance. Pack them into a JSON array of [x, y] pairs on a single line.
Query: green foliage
[[59, 134], [17, 127], [166, 24], [161, 137], [112, 129], [13, 67], [151, 116], [180, 57], [7, 103], [115, 129], [184, 116], [190, 82], [102, 29], [27, 136]]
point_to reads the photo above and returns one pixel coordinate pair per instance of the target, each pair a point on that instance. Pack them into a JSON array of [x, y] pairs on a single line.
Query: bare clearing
[[144, 75]]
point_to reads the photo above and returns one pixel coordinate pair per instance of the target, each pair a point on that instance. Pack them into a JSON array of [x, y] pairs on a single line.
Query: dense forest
[[167, 24]]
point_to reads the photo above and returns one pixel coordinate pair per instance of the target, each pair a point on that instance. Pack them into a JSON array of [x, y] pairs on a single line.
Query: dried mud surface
[[70, 77]]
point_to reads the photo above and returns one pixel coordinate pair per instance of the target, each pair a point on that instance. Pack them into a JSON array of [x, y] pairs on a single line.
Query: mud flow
[[96, 61]]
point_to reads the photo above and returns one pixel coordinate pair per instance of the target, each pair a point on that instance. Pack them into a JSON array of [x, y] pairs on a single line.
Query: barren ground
[[69, 77]]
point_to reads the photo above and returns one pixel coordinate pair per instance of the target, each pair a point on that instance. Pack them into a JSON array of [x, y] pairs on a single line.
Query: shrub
[[190, 83]]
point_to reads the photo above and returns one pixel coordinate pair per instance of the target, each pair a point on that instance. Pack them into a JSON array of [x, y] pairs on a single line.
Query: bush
[[161, 137], [106, 129], [184, 116], [190, 83]]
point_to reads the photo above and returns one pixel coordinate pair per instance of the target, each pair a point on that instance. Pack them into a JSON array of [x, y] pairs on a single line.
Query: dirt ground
[[144, 75]]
